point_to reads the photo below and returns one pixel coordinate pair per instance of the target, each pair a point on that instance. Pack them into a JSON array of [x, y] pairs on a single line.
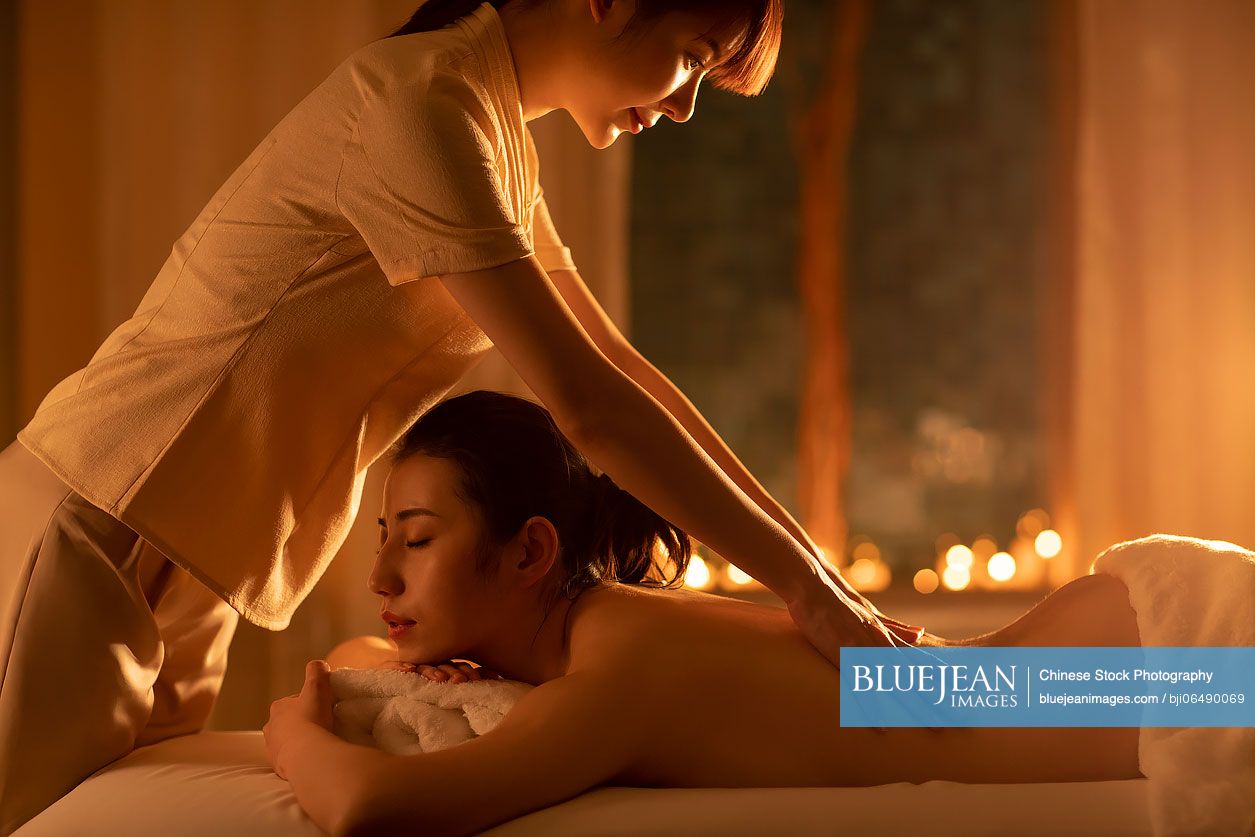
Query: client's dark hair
[[515, 463]]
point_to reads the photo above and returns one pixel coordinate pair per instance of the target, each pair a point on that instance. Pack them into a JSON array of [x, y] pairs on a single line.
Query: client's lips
[[395, 630], [638, 124], [392, 619]]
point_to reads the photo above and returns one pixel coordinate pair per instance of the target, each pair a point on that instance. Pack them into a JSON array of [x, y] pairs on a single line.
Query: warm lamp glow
[[959, 556], [926, 581], [1048, 543], [862, 573], [945, 541], [1032, 522], [697, 575], [738, 576], [983, 547], [867, 550], [956, 577], [1001, 566], [868, 572]]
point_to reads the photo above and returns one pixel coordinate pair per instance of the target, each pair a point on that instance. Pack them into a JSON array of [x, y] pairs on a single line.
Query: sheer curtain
[[131, 114], [1159, 404]]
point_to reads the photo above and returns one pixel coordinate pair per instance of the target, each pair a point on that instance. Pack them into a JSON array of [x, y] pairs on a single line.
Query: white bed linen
[[220, 783]]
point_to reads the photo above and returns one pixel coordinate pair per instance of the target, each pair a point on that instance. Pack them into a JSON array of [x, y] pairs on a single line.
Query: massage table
[[1186, 592], [220, 783]]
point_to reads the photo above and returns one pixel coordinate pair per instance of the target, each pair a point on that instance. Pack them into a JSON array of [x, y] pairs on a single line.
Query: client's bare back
[[738, 698]]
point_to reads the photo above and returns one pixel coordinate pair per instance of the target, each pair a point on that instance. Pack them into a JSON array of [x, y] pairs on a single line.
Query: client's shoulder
[[615, 622]]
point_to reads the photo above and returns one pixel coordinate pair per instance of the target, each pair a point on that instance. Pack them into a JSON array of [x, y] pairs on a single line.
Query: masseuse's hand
[[904, 631], [831, 619], [296, 715]]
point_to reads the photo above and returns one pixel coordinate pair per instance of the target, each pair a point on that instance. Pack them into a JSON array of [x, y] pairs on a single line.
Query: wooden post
[[823, 136]]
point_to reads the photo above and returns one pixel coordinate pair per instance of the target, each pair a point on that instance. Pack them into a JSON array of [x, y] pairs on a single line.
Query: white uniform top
[[231, 420]]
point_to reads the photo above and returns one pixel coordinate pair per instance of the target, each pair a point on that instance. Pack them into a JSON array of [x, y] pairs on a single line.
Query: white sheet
[[220, 783]]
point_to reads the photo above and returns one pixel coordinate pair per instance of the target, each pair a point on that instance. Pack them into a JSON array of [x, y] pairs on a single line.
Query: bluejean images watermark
[[1048, 687]]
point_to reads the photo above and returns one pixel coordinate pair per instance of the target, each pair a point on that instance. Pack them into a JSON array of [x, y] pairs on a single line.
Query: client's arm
[[560, 739], [362, 652]]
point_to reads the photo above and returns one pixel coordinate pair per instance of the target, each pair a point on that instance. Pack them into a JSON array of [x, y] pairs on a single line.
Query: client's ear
[[538, 540]]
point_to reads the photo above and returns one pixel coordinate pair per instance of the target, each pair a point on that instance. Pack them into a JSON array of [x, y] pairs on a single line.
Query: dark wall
[[8, 220], [946, 202]]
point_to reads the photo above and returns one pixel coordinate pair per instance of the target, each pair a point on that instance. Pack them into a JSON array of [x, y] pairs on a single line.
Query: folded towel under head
[[401, 712]]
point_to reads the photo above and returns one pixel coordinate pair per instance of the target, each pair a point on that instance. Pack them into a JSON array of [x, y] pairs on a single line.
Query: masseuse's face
[[425, 569], [656, 70]]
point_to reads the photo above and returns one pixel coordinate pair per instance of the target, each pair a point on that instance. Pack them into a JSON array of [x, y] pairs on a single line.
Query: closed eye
[[696, 63], [413, 544]]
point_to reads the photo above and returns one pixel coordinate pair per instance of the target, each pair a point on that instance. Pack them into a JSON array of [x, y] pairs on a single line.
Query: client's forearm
[[362, 652], [330, 777]]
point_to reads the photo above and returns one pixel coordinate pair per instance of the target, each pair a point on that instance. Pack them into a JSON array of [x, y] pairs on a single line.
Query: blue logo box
[[1048, 687]]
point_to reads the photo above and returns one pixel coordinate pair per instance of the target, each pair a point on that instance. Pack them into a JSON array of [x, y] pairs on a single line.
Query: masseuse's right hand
[[831, 619]]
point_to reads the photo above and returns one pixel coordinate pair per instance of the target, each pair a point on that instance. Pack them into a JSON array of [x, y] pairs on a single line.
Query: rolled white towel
[[1189, 592]]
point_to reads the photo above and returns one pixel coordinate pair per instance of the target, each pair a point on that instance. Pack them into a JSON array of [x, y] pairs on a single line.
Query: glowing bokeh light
[[1032, 522], [1048, 543], [697, 575], [956, 577], [862, 573], [738, 576], [1001, 566], [867, 550], [983, 547], [959, 556], [926, 581]]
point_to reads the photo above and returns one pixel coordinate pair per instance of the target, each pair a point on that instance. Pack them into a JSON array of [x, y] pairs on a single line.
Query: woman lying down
[[500, 545]]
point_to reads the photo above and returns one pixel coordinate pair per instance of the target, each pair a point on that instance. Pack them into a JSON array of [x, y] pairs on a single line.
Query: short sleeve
[[550, 251], [420, 184]]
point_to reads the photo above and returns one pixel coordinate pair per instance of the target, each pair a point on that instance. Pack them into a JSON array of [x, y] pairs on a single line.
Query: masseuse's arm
[[626, 432], [606, 335], [624, 355], [558, 741]]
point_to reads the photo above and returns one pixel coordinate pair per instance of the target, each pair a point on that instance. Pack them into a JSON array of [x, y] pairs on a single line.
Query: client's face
[[425, 569]]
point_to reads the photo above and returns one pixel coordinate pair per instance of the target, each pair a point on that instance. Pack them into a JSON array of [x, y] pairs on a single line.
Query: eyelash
[[697, 62], [411, 544]]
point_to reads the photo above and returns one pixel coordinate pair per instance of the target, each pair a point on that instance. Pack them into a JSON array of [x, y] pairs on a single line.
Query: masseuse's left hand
[[904, 631], [296, 715]]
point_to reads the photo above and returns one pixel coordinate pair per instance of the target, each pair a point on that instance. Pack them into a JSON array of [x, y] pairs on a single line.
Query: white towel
[[1192, 592], [402, 712]]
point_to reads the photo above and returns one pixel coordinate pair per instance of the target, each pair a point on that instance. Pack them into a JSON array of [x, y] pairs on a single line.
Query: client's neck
[[535, 649]]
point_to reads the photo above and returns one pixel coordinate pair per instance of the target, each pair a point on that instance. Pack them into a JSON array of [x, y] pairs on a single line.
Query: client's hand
[[298, 714], [459, 672]]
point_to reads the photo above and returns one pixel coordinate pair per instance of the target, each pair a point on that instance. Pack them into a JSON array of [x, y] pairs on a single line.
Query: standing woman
[[208, 461]]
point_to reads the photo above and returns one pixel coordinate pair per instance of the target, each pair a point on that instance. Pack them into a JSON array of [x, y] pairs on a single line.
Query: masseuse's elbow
[[586, 409]]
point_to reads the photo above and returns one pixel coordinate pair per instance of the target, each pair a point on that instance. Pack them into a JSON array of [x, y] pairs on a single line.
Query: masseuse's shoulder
[[438, 81]]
